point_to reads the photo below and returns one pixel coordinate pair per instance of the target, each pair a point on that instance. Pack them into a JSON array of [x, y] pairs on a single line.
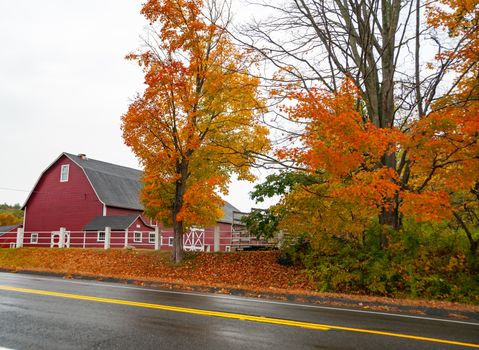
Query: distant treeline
[[10, 214]]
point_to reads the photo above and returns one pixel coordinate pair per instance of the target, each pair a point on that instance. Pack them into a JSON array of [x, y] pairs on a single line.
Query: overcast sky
[[64, 84]]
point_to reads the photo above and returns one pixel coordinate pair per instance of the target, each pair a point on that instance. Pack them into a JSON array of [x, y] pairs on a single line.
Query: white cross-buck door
[[194, 240]]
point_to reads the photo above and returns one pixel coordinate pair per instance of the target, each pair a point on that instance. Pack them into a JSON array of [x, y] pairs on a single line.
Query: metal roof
[[119, 186], [228, 210], [6, 229], [115, 222], [115, 185]]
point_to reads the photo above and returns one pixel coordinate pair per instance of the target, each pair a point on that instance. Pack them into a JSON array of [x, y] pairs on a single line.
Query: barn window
[[34, 238], [228, 248], [12, 245], [64, 173], [151, 237], [101, 236], [170, 241], [138, 237]]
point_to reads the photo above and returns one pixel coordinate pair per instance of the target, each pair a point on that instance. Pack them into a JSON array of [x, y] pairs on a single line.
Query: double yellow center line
[[229, 315]]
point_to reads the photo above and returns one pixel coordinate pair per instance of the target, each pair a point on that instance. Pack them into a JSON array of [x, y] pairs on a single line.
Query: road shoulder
[[422, 308]]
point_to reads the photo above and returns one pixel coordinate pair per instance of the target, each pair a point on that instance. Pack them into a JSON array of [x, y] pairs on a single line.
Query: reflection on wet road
[[50, 313]]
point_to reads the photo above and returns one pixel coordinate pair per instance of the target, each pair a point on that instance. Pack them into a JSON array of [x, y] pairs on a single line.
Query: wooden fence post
[[20, 234], [157, 238], [217, 238], [61, 243], [107, 237]]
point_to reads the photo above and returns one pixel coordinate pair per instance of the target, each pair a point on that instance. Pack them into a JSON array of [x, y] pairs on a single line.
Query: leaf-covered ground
[[257, 272]]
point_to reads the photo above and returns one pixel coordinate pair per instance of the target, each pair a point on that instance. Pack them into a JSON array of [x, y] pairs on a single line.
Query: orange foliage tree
[[437, 157], [197, 121], [372, 156], [390, 135], [343, 149], [461, 21]]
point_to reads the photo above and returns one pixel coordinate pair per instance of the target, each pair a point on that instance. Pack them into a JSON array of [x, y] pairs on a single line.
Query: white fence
[[196, 239]]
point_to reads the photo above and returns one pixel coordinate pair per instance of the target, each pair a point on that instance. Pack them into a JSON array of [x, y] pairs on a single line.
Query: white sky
[[64, 84]]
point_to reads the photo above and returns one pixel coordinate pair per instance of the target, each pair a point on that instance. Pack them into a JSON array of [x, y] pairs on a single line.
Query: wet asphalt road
[[37, 321]]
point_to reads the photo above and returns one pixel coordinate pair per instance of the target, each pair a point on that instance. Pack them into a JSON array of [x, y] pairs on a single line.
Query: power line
[[13, 189]]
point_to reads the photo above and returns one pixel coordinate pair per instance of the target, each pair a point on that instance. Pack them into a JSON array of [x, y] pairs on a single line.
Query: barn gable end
[[54, 203]]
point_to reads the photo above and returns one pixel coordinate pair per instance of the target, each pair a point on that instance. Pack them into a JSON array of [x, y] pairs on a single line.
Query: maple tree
[[386, 135], [323, 43], [197, 121], [343, 151]]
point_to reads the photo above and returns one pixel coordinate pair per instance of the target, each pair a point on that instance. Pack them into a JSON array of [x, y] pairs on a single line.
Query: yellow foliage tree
[[7, 219], [197, 121]]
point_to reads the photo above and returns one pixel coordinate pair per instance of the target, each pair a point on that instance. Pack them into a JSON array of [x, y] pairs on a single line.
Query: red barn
[[83, 196]]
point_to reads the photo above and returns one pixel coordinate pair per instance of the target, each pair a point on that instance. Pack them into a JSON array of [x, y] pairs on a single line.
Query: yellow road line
[[243, 317]]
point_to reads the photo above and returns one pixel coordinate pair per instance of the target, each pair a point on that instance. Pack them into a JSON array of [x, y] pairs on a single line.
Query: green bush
[[294, 250], [422, 261]]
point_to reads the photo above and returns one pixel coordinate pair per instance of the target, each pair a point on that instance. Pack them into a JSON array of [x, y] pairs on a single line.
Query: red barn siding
[[55, 204], [77, 239], [225, 237], [165, 234], [42, 240], [7, 238], [91, 239], [117, 240], [138, 225]]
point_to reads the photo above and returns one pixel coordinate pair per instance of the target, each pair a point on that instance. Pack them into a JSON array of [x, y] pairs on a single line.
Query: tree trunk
[[473, 244], [389, 216], [178, 240], [388, 219], [180, 189], [473, 247]]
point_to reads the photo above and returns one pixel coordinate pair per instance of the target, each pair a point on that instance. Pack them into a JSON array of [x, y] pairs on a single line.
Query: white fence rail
[[207, 240]]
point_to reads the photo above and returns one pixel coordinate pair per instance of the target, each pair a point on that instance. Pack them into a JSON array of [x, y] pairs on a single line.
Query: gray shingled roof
[[119, 186], [116, 222], [6, 229]]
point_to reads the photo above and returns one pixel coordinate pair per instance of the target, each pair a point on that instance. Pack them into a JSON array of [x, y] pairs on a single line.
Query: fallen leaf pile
[[248, 270]]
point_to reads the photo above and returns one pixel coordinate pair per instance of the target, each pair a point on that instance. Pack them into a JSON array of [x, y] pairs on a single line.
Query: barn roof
[[6, 229], [115, 185], [116, 222], [119, 186], [228, 210]]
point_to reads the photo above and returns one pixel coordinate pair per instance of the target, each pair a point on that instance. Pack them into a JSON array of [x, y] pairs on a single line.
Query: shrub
[[422, 261]]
